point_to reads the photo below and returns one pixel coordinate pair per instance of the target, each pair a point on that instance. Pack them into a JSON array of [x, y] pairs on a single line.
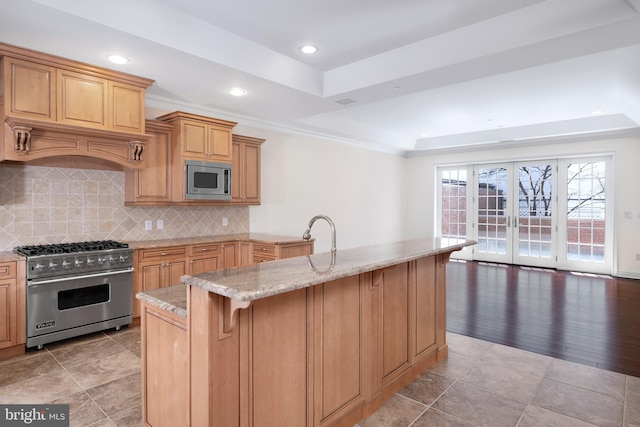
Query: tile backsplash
[[41, 205]]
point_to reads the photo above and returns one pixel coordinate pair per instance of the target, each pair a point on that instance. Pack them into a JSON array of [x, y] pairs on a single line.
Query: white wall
[[362, 191], [626, 169]]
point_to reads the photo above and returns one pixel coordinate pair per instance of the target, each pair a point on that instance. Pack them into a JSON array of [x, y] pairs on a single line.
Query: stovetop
[[73, 259], [65, 248]]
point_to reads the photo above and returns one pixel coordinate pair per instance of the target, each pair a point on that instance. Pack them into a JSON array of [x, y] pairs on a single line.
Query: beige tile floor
[[481, 384]]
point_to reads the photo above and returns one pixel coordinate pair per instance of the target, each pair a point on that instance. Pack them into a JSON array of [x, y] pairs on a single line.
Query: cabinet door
[[339, 369], [297, 249], [219, 148], [150, 275], [165, 370], [126, 108], [424, 305], [202, 265], [29, 90], [229, 255], [193, 137], [152, 185], [174, 270], [82, 99], [394, 310], [251, 173], [8, 313], [245, 254]]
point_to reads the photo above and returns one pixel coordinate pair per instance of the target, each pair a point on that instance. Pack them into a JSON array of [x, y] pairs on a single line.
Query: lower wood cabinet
[[12, 308], [164, 344], [204, 257], [158, 268], [12, 304]]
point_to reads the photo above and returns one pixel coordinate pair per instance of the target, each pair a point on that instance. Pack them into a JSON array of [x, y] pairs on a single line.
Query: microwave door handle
[[227, 181]]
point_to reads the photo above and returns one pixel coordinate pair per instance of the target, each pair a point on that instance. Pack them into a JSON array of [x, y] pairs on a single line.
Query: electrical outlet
[[148, 225], [225, 222], [159, 224]]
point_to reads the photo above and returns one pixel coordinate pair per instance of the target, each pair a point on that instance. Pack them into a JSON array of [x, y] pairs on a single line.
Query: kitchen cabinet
[[158, 268], [262, 252], [245, 172], [165, 391], [55, 107], [195, 137], [12, 306], [204, 257], [152, 185], [72, 94]]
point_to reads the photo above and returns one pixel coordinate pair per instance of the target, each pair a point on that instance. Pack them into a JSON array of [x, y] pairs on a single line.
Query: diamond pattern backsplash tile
[[41, 205]]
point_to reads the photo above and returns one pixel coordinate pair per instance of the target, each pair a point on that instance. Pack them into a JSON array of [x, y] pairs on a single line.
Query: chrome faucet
[[307, 233]]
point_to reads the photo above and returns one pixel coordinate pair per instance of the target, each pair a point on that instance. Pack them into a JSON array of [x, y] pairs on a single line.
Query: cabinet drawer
[[262, 249], [204, 249], [7, 270], [162, 253], [257, 258]]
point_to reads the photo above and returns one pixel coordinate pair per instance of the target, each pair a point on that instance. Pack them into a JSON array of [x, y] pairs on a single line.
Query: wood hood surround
[[52, 107]]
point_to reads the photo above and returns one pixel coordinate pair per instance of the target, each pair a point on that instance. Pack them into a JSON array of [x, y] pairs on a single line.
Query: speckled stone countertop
[[172, 299], [277, 277], [11, 256], [254, 237]]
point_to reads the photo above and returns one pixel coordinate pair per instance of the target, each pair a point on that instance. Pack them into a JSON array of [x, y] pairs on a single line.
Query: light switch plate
[[225, 222], [159, 224], [148, 225]]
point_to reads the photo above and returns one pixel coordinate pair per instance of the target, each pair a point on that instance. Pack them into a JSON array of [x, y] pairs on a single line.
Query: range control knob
[[112, 259], [66, 264], [124, 258], [53, 265], [79, 262], [38, 267], [91, 261], [101, 260]]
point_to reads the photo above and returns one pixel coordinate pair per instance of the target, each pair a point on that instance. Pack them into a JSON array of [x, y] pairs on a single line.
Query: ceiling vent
[[345, 101]]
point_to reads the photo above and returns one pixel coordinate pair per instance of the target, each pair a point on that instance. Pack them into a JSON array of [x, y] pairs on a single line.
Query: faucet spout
[[307, 233]]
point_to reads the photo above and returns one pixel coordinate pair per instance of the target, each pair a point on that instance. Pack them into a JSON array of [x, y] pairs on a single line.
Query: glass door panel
[[493, 205], [535, 219]]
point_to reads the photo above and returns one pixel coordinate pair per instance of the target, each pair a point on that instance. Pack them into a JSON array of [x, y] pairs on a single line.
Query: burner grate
[[62, 248]]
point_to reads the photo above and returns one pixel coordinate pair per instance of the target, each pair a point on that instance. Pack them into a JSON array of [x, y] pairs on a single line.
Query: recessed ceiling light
[[596, 112], [237, 91], [117, 59], [308, 49]]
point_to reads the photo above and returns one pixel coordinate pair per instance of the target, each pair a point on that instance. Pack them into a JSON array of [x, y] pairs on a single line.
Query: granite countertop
[[172, 299], [253, 237], [6, 256], [276, 277]]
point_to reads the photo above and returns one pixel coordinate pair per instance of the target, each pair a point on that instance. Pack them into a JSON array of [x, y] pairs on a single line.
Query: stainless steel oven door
[[61, 308]]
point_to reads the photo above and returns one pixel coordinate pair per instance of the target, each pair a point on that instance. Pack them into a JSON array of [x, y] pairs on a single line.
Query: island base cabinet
[[325, 355]]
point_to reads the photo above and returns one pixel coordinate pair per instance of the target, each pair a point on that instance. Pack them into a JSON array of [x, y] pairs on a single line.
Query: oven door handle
[[86, 276]]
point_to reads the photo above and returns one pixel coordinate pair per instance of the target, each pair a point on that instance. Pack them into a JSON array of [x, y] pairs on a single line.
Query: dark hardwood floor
[[588, 319]]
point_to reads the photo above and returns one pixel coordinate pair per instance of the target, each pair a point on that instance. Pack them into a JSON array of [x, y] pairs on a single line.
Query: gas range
[[77, 288], [64, 259]]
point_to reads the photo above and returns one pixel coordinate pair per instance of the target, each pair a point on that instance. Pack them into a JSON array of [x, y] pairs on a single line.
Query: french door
[[555, 214], [515, 213]]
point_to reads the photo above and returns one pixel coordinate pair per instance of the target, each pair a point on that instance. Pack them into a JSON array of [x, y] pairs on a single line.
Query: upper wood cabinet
[[199, 137], [245, 172], [38, 91], [47, 98], [152, 185]]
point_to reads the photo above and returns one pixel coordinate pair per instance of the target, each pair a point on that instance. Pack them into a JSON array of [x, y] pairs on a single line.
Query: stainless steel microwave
[[207, 180]]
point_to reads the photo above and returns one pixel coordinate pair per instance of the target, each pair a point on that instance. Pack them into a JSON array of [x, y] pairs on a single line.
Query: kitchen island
[[307, 341]]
